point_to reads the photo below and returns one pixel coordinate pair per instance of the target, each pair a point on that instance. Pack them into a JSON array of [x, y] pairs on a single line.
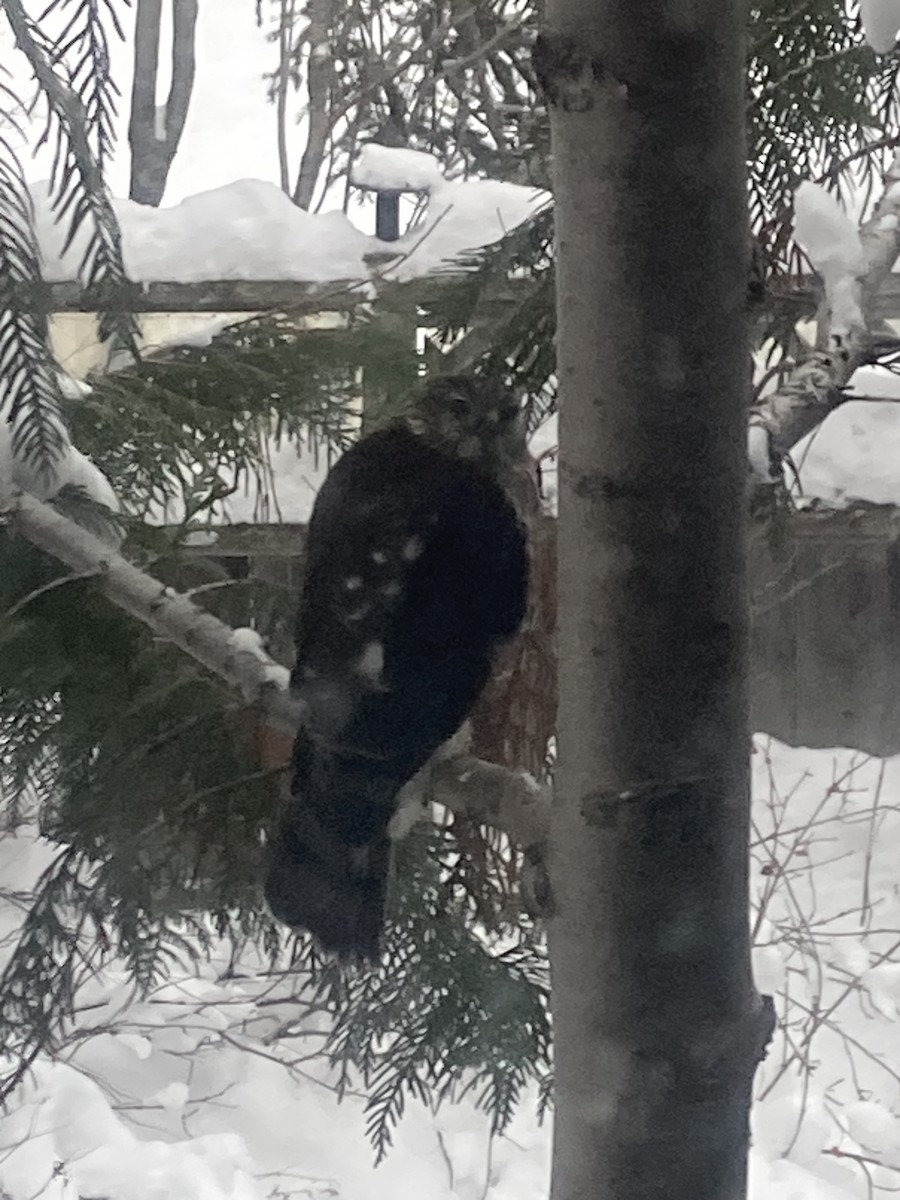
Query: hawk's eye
[[459, 402]]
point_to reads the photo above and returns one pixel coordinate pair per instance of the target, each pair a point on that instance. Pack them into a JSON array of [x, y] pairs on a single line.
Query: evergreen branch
[[168, 613], [479, 790], [443, 1014], [32, 1019], [30, 397], [84, 36], [77, 184]]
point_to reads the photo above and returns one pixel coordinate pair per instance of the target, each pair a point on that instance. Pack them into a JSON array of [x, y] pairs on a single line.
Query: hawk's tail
[[334, 891]]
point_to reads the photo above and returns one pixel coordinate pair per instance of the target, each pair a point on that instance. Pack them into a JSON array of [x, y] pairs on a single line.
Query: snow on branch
[[509, 800], [852, 265], [833, 245], [250, 231], [231, 655]]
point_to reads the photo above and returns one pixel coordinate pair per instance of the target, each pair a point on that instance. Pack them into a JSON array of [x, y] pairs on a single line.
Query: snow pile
[[103, 1157], [245, 230], [881, 21], [192, 1092], [250, 230], [831, 240]]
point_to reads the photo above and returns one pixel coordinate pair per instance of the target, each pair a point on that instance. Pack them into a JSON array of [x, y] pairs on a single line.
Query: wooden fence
[[825, 651]]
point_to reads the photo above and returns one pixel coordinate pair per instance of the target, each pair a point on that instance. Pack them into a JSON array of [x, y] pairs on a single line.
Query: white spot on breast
[[392, 590], [353, 583], [379, 557], [357, 614], [371, 661], [413, 549]]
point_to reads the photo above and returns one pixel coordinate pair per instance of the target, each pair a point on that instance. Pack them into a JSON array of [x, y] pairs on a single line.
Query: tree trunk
[[155, 132], [657, 1026], [320, 80]]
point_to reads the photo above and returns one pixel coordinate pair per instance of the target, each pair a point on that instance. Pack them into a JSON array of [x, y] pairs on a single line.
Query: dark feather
[[416, 572]]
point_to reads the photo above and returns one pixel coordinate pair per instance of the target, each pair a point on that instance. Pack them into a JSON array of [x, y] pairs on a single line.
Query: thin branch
[[509, 800], [60, 581]]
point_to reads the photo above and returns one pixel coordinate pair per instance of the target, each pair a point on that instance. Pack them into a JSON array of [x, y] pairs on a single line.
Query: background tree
[[154, 132], [453, 79]]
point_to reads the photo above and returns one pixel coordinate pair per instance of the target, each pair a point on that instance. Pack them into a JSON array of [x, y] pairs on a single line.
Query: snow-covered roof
[[251, 230]]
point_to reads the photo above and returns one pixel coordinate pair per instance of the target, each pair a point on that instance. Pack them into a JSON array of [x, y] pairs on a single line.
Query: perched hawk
[[416, 573]]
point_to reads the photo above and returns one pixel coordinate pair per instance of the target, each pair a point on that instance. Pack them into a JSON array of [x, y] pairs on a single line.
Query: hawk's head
[[475, 419]]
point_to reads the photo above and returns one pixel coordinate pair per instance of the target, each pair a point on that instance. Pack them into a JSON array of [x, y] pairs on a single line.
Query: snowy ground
[[188, 1093]]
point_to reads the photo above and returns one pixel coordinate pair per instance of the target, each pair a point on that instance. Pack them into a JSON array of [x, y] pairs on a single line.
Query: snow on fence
[[250, 233]]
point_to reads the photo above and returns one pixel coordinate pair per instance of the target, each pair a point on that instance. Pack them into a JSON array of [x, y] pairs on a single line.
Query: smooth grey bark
[[154, 136], [657, 1026]]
